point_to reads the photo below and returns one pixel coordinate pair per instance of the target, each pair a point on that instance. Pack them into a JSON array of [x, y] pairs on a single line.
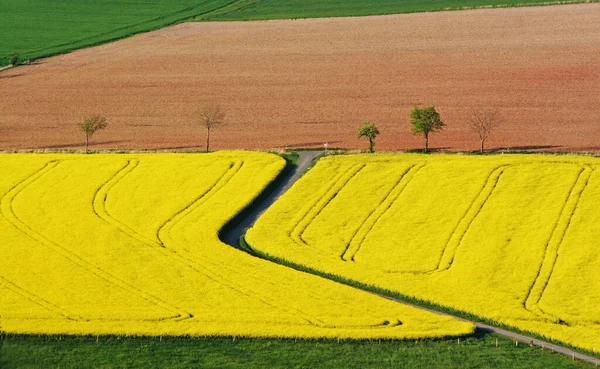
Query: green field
[[292, 9], [39, 28], [111, 352]]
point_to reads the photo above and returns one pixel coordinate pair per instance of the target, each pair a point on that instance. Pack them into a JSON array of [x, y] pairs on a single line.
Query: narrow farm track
[[236, 228], [234, 231]]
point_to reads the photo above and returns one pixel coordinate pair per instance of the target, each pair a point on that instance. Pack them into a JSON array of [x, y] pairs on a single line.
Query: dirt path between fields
[[305, 82], [234, 230], [232, 233]]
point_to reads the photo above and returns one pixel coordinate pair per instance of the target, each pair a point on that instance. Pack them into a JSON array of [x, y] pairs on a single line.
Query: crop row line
[[314, 208], [373, 218], [166, 243], [449, 252], [6, 206], [552, 249]]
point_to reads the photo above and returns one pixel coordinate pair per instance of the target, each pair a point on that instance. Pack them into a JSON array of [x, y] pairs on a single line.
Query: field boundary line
[[355, 244], [552, 250], [6, 205]]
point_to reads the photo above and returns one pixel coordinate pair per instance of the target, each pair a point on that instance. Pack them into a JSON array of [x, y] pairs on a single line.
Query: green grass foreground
[[40, 28], [114, 352]]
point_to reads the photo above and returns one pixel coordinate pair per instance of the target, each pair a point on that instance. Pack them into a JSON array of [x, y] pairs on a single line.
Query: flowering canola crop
[[512, 238], [128, 244]]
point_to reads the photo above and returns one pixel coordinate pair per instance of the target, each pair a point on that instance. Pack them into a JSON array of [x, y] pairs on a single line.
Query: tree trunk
[[482, 141], [370, 145], [426, 144], [86, 143], [207, 138]]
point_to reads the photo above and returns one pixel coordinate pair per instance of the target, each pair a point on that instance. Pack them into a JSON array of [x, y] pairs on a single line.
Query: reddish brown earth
[[305, 82]]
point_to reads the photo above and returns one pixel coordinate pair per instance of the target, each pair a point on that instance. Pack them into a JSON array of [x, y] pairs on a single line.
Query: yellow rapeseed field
[[512, 238], [128, 244]]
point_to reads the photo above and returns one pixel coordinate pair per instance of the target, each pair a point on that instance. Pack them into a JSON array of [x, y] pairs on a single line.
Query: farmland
[[126, 260], [128, 245], [40, 28], [509, 238], [539, 66], [280, 9]]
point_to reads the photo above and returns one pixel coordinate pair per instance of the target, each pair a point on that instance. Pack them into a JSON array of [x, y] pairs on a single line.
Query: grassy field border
[[475, 351]]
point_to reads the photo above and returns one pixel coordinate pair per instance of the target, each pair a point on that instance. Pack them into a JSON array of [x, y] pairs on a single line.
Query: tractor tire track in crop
[[455, 239], [6, 207], [361, 234], [164, 235], [233, 235], [164, 231], [326, 200], [234, 230], [7, 212], [39, 300], [102, 212], [337, 184], [552, 250], [99, 204]]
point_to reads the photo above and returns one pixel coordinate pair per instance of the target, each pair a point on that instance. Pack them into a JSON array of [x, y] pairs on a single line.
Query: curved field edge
[[87, 28], [414, 300]]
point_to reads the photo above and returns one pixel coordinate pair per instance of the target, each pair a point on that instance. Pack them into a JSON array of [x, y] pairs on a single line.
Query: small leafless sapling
[[91, 125], [211, 116], [483, 122]]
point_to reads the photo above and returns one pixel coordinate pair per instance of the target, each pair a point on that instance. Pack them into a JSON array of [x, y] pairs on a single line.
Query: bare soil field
[[301, 83]]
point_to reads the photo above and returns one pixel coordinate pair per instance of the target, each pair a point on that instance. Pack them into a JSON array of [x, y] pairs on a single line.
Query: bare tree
[[483, 122], [91, 125], [211, 116]]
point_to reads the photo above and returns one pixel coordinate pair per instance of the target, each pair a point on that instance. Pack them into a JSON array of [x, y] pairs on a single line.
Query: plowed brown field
[[305, 82]]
